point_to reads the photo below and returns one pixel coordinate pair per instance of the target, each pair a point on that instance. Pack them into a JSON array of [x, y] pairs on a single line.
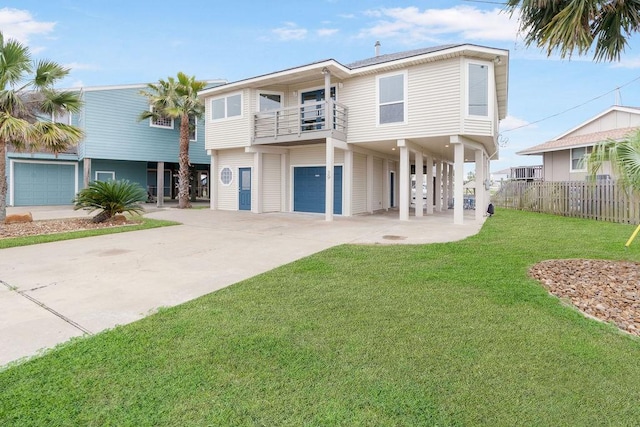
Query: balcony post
[[328, 102]]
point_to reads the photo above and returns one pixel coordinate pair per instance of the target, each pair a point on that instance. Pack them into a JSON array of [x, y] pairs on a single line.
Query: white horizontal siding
[[434, 104], [228, 194], [359, 198], [313, 155], [271, 183], [477, 127], [234, 132]]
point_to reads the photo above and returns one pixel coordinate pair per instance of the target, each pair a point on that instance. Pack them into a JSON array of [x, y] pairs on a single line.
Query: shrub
[[112, 197]]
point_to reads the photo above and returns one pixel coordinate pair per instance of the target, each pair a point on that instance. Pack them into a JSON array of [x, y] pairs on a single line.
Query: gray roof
[[398, 55]]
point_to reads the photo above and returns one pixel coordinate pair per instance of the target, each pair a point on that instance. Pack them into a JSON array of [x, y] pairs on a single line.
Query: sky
[[119, 42]]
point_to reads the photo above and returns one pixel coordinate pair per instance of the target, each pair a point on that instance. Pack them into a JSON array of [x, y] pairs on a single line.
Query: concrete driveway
[[52, 292]]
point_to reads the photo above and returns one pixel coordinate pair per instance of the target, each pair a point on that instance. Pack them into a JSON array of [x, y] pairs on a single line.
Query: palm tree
[[28, 102], [569, 26], [177, 99], [624, 157]]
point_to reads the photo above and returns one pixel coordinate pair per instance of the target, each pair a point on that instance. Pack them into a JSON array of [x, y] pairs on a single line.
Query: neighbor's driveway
[[52, 292]]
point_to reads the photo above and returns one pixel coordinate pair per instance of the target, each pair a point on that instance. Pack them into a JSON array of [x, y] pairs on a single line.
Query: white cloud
[[80, 66], [325, 32], [465, 22], [20, 25], [632, 62], [511, 122], [290, 31]]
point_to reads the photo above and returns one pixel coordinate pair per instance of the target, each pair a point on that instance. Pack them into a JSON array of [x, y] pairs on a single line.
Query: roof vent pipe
[[377, 46]]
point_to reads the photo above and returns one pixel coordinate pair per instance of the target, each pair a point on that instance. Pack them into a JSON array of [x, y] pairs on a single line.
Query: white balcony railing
[[301, 119]]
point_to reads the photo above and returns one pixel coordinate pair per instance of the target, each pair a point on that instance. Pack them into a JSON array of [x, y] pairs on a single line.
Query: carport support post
[[480, 192], [347, 182], [328, 203], [405, 184], [87, 172], [213, 179], [256, 184], [445, 185], [439, 186], [419, 189], [458, 175], [160, 185], [430, 195]]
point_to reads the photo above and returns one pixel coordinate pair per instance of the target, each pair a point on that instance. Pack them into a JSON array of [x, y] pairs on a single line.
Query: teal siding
[[112, 130], [131, 171]]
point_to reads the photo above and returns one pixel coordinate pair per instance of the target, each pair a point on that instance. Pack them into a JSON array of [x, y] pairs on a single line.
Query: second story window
[[63, 117], [193, 128], [226, 107], [392, 98], [478, 90], [160, 122]]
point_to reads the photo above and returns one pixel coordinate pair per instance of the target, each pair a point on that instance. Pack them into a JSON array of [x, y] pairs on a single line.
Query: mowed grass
[[144, 224], [449, 334]]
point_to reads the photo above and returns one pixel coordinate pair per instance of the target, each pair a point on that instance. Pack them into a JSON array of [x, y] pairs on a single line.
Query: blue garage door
[[309, 189], [37, 184]]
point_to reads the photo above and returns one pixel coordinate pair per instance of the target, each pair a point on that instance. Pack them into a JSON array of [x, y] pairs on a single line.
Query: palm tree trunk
[[183, 159], [3, 180]]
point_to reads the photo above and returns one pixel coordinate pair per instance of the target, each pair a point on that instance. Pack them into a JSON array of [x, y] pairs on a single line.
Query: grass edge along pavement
[[438, 334], [143, 224]]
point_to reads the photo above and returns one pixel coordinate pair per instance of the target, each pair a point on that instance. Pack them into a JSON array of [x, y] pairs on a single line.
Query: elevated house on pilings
[[350, 139]]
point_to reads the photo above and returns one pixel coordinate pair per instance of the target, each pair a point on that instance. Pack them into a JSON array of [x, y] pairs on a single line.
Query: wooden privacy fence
[[604, 200]]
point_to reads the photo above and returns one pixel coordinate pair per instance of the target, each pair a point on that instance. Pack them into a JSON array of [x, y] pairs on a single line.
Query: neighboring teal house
[[116, 146]]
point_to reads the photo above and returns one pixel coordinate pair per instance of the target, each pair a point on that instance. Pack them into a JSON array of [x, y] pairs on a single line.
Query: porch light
[[325, 70]]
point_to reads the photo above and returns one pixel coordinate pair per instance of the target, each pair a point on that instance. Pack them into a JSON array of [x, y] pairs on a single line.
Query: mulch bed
[[53, 226]]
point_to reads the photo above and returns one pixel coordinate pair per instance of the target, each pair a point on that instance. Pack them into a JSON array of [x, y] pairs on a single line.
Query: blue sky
[[123, 42]]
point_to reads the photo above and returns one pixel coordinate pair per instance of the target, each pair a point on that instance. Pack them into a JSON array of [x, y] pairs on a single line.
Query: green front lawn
[[442, 334]]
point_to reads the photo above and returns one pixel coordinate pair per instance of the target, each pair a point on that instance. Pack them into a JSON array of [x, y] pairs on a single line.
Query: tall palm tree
[[28, 103], [569, 26], [177, 99], [624, 157]]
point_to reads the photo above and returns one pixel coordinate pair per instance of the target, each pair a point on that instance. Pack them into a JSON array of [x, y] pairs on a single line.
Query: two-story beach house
[[347, 139], [116, 146]]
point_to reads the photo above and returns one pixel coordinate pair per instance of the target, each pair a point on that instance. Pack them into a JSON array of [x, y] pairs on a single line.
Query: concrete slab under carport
[[99, 282]]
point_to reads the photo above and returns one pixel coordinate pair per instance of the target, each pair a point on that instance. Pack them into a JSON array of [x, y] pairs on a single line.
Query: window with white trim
[[226, 175], [63, 117], [193, 128], [226, 107], [268, 101], [105, 176], [164, 122], [478, 90], [392, 98], [578, 163]]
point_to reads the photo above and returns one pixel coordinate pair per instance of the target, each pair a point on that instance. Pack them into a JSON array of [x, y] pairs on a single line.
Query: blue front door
[[244, 189], [309, 189]]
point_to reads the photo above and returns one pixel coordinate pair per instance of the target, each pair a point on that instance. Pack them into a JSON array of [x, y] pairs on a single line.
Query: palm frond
[[15, 62], [47, 73]]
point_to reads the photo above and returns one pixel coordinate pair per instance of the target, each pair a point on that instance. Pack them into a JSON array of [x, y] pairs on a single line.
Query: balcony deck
[[310, 123]]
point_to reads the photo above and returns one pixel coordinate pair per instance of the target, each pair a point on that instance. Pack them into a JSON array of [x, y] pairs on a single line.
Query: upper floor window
[[392, 98], [226, 107], [478, 95], [193, 128], [164, 122], [268, 101], [63, 117], [578, 163]]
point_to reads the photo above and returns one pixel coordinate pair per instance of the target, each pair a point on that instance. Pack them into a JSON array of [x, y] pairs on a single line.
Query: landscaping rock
[[606, 290]]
